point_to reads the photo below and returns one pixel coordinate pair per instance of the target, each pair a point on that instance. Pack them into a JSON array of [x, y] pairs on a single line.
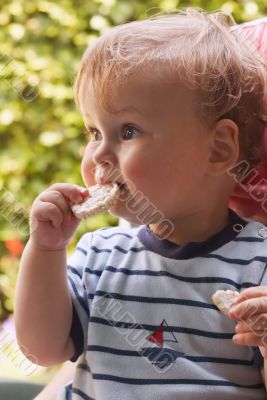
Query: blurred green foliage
[[41, 43]]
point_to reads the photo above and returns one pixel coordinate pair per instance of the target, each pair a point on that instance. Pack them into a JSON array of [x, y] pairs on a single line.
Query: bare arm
[[43, 307]]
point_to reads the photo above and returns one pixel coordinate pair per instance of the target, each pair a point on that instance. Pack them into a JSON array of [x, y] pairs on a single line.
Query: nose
[[104, 159], [104, 153]]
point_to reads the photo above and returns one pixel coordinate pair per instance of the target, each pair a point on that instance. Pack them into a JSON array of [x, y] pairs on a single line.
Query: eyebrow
[[131, 109]]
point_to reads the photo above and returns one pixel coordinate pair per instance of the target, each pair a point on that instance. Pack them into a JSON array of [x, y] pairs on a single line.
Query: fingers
[[252, 332], [73, 193], [56, 198], [48, 212], [256, 323], [54, 203], [250, 293], [248, 308], [251, 339]]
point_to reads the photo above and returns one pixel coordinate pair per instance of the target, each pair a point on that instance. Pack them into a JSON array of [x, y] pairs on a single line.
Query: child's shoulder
[[254, 232]]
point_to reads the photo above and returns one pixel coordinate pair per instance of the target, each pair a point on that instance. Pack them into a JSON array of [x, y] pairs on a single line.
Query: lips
[[102, 179]]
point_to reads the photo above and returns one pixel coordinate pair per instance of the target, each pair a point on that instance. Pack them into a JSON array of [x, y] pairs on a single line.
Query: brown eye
[[93, 134], [96, 135], [130, 132]]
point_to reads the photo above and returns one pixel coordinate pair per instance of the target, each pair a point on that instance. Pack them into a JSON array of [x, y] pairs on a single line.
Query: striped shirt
[[144, 326]]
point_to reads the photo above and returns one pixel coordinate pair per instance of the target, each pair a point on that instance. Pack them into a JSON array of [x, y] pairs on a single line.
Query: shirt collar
[[185, 251]]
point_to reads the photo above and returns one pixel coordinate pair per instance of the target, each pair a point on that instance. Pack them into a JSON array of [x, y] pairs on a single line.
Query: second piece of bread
[[223, 299]]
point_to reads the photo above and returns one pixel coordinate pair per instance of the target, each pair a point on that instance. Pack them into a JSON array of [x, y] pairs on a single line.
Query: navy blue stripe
[[134, 353], [68, 390], [152, 328], [82, 394], [79, 298], [110, 350], [78, 248], [74, 271], [262, 275], [237, 239], [76, 333], [215, 256], [247, 285], [202, 382], [155, 300], [85, 367], [113, 234], [120, 249], [248, 239], [235, 260], [219, 360], [97, 272], [203, 279]]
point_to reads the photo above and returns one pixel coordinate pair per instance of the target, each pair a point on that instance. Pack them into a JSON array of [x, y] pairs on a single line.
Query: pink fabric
[[247, 201]]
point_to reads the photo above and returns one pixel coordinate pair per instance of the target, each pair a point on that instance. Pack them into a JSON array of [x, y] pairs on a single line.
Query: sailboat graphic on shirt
[[160, 355]]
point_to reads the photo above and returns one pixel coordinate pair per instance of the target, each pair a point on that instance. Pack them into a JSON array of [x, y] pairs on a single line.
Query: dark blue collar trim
[[185, 251]]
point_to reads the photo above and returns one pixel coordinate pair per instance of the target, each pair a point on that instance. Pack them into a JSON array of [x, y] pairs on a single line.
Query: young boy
[[172, 104]]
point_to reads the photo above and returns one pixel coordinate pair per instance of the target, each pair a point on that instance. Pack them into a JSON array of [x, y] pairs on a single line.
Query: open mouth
[[123, 188], [121, 185]]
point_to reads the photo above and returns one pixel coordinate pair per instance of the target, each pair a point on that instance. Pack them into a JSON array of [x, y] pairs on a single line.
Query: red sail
[[157, 336]]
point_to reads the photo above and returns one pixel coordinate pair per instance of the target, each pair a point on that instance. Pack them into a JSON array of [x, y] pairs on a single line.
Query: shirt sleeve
[[80, 316]]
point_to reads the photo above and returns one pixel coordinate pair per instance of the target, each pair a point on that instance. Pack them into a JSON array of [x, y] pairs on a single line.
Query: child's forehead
[[140, 93]]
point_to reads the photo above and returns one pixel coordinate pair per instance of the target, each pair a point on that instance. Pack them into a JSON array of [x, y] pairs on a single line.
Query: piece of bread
[[223, 299], [101, 198]]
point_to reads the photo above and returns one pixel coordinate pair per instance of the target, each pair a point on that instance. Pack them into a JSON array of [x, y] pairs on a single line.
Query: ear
[[224, 146]]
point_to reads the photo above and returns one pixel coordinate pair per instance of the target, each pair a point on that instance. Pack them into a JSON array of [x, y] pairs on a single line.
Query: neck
[[196, 227]]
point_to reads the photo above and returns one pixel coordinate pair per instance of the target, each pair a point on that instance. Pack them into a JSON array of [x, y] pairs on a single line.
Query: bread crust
[[223, 299], [100, 199]]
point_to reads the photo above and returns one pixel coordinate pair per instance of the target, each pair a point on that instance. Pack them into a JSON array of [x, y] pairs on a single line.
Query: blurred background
[[41, 133]]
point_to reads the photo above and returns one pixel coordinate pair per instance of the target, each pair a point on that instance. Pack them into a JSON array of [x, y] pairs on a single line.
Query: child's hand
[[51, 219], [250, 310]]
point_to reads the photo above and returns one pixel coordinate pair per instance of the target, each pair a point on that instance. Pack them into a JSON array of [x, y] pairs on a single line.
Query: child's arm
[[43, 307]]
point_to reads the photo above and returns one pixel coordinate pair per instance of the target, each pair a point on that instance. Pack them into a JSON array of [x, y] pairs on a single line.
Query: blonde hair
[[202, 51]]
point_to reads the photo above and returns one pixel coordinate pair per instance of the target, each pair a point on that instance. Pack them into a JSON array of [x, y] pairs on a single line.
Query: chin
[[119, 211]]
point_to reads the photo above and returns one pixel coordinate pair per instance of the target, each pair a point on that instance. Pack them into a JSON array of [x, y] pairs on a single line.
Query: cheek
[[142, 167], [134, 168], [142, 175]]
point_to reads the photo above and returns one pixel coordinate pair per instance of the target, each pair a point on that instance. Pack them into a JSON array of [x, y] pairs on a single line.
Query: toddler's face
[[155, 145]]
